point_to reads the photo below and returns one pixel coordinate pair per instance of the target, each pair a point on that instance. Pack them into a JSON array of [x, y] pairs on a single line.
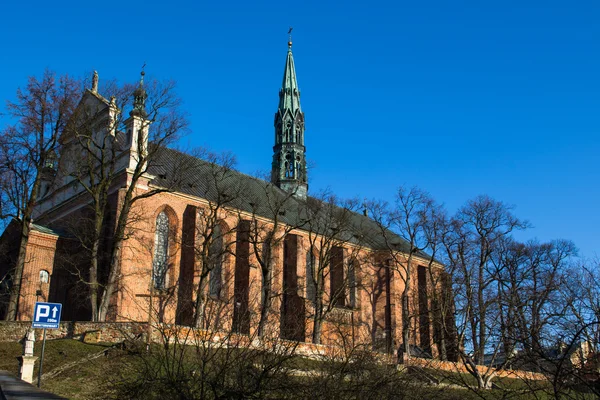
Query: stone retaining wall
[[110, 332], [460, 367]]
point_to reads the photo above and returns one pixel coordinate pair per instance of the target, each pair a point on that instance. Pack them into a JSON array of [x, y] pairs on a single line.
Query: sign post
[[46, 316]]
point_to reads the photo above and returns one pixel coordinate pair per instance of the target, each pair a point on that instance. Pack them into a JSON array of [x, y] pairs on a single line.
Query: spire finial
[[95, 82], [139, 97], [142, 74], [290, 38]]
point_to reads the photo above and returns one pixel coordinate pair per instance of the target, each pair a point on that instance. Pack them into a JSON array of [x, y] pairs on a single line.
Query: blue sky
[[459, 98]]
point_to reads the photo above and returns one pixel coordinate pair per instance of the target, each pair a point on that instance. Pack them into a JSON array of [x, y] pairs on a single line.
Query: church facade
[[223, 250]]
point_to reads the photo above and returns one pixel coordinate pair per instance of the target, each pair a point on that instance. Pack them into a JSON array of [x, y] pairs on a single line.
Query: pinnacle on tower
[[139, 98], [95, 82], [289, 162]]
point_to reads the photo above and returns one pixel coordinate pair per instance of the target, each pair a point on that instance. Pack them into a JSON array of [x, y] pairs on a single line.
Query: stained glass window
[[161, 251]]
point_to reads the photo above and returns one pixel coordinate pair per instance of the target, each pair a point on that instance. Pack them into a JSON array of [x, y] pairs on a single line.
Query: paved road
[[12, 388]]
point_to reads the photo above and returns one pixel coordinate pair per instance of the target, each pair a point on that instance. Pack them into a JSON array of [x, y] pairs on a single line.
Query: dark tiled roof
[[196, 177], [45, 229]]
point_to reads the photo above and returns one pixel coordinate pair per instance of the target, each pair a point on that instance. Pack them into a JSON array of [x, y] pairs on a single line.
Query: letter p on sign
[[43, 311]]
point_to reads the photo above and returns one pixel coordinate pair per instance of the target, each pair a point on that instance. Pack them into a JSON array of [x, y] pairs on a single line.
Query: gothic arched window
[[337, 275], [289, 166], [288, 131], [161, 251], [215, 256], [278, 133], [298, 168], [299, 132]]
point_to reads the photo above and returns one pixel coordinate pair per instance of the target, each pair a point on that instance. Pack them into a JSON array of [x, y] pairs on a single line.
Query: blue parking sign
[[46, 315]]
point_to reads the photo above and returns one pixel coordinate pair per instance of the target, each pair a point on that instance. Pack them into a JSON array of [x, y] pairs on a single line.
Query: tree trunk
[[95, 253], [487, 381], [406, 309], [389, 343], [115, 258], [318, 316], [317, 328], [200, 303], [318, 312], [112, 280], [405, 324], [265, 301], [94, 282], [117, 247], [484, 381], [15, 290], [439, 318], [481, 383], [442, 349], [482, 308]]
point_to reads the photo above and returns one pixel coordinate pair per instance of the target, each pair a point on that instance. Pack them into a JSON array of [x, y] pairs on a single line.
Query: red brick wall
[[367, 321], [40, 256]]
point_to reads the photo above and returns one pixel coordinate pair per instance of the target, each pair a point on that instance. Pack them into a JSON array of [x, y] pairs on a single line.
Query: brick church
[[217, 249]]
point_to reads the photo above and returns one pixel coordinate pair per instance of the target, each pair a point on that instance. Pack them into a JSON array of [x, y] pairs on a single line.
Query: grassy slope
[[83, 380], [93, 379]]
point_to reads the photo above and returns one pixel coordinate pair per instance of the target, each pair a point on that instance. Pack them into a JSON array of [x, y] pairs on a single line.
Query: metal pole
[[42, 360]]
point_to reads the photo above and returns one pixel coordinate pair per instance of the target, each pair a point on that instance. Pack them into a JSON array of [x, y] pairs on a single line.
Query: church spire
[[289, 162], [139, 98]]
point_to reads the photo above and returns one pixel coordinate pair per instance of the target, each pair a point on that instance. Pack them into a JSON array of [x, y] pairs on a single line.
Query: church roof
[[196, 177]]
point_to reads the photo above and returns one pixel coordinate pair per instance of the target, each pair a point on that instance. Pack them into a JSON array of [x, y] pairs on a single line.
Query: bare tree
[[162, 124], [529, 277], [403, 229], [477, 232], [213, 235], [187, 363], [273, 217], [332, 234], [107, 148], [91, 146], [435, 227], [577, 332], [580, 292], [27, 150]]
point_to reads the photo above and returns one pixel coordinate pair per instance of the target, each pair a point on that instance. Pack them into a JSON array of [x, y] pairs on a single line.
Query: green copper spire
[[289, 94], [289, 162]]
